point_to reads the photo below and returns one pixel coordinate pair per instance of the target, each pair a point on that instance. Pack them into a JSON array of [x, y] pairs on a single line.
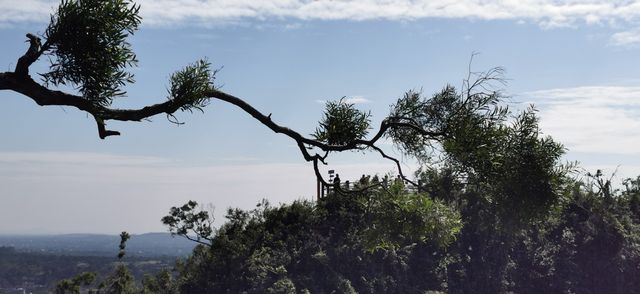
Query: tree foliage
[[342, 123], [189, 86], [73, 286], [88, 42], [451, 238], [190, 222], [319, 247]]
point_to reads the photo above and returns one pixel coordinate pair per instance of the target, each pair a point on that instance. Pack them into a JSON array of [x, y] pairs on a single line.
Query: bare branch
[[376, 148], [197, 240], [32, 54]]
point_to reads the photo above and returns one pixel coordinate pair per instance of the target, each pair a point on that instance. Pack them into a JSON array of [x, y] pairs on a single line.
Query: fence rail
[[324, 190]]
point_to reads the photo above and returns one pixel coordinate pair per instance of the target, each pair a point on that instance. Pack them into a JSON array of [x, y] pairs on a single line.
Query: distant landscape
[[36, 262]]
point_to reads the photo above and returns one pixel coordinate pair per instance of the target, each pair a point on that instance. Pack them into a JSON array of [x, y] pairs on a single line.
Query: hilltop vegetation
[[450, 239]]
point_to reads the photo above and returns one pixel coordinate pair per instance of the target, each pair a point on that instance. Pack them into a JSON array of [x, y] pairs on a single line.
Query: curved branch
[[384, 155], [19, 81], [197, 240], [43, 96]]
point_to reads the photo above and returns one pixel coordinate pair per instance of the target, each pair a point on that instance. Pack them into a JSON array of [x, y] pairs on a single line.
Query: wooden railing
[[323, 190]]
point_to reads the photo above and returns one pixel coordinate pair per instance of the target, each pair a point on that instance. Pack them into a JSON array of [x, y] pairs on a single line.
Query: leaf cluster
[[342, 123], [75, 284], [189, 86], [124, 237], [118, 281], [336, 243], [422, 123], [87, 40], [190, 222]]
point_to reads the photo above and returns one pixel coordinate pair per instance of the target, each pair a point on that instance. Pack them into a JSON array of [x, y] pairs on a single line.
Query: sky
[[576, 61]]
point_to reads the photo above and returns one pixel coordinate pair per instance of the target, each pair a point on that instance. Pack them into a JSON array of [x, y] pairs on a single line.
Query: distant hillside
[[144, 245]]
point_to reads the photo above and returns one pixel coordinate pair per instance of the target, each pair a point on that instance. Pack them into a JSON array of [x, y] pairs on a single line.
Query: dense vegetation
[[498, 212], [450, 238], [392, 242]]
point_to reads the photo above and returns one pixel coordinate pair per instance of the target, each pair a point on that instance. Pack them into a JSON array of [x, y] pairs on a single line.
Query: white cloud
[[25, 11], [590, 95], [357, 100], [626, 39], [599, 119], [547, 13], [352, 100], [292, 26]]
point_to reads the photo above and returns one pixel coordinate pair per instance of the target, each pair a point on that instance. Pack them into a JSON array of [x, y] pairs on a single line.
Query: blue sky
[[577, 61]]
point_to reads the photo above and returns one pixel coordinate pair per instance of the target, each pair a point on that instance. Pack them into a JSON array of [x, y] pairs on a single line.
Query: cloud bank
[[594, 119], [547, 13]]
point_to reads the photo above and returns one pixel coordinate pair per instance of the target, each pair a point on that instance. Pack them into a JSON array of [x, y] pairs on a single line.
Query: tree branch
[[25, 85], [197, 240], [19, 81], [43, 96], [376, 148], [32, 54], [191, 89]]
